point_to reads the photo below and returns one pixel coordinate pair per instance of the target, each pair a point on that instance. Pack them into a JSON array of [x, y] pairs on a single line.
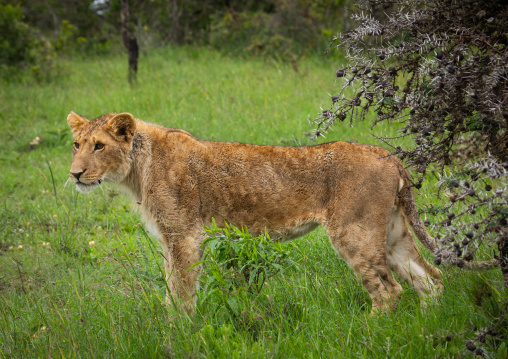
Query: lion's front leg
[[180, 254]]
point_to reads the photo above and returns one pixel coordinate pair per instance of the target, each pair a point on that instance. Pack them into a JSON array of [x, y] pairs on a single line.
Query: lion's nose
[[77, 174]]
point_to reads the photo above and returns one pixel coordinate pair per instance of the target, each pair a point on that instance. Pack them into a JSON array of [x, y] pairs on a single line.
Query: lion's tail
[[407, 199]]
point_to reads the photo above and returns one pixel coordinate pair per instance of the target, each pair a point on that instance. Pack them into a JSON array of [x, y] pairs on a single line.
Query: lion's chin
[[87, 188]]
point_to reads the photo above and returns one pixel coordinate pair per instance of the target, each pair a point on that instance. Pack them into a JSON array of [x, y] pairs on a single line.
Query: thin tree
[[130, 42]]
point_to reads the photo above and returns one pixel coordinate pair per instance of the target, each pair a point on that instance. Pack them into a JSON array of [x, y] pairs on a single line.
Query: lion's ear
[[76, 123], [123, 125]]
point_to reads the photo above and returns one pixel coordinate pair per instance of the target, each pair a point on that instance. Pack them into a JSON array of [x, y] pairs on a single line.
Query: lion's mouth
[[85, 188]]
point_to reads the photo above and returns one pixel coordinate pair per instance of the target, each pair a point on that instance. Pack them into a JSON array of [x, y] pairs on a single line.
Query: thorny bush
[[441, 69]]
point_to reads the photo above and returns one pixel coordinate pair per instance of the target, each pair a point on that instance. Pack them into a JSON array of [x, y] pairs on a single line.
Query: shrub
[[237, 266], [23, 47], [16, 38], [284, 29]]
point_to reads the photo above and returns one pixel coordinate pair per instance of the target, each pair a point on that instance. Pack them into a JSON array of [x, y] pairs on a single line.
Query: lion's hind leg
[[407, 262], [364, 251]]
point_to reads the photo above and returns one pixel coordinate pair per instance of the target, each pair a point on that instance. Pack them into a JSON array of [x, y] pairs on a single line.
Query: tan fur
[[352, 190]]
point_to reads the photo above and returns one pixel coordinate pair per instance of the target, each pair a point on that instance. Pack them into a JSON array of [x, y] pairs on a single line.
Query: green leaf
[[502, 351], [233, 304], [196, 264]]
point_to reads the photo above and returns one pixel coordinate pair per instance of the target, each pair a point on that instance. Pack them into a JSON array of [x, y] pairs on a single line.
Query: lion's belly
[[283, 225], [297, 231]]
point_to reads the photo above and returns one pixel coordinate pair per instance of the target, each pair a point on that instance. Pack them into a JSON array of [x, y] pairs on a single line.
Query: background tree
[[129, 40], [441, 69]]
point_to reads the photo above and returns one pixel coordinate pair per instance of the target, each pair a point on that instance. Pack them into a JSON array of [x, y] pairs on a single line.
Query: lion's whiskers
[[66, 183]]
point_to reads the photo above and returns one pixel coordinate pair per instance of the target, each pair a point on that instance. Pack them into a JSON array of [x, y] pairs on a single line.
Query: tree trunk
[[130, 42]]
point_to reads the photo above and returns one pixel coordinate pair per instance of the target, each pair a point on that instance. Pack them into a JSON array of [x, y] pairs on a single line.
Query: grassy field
[[80, 278]]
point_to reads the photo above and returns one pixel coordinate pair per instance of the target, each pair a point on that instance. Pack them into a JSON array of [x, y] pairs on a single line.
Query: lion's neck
[[140, 156], [147, 138]]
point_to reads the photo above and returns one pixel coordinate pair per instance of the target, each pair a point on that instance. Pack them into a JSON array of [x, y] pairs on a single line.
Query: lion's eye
[[76, 145], [98, 146]]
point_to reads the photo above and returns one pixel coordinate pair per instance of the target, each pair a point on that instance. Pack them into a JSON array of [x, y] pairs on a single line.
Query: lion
[[359, 193]]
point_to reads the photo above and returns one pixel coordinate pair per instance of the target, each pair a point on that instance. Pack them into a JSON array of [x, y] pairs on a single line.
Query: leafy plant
[[15, 37], [238, 265]]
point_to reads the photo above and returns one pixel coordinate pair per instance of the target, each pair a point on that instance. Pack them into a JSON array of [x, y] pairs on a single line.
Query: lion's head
[[101, 149]]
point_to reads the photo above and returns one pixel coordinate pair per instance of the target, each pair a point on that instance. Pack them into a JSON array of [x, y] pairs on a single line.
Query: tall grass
[[80, 278]]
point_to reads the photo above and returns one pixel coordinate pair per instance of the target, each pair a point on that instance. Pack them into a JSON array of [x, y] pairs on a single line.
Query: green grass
[[97, 289]]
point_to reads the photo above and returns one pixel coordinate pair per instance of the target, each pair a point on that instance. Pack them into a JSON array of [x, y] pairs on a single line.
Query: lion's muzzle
[[76, 175]]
